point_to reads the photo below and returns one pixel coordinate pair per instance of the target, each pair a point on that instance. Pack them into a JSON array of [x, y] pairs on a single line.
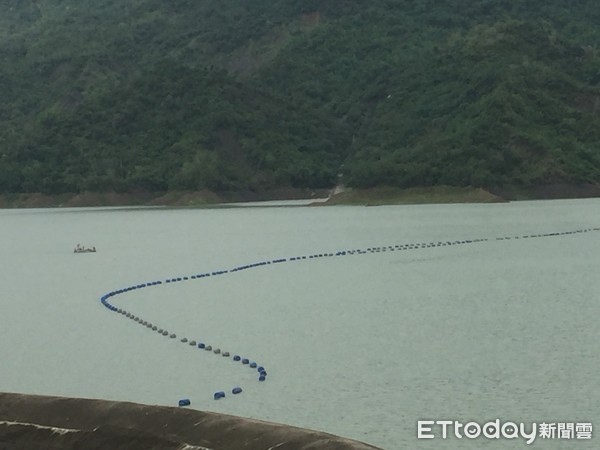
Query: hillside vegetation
[[233, 95]]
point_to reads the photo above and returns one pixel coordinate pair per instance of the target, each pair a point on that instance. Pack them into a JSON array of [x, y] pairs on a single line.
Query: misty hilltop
[[233, 95]]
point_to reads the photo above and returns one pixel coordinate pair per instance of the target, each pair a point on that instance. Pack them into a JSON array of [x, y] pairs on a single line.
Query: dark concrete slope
[[36, 422]]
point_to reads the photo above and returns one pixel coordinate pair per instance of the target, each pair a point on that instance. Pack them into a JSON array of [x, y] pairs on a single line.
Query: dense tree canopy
[[236, 95]]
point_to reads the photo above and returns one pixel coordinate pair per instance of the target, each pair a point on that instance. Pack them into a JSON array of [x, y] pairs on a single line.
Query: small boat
[[82, 249]]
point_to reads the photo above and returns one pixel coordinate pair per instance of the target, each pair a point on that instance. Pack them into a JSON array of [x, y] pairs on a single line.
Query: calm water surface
[[360, 346]]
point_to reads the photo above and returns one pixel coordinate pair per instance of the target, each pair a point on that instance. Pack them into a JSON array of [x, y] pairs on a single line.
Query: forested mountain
[[248, 95]]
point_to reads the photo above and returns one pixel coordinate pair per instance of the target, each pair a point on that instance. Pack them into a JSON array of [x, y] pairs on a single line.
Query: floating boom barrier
[[106, 299]]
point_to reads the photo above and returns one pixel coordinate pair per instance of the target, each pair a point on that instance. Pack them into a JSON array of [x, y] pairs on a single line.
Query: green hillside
[[233, 95]]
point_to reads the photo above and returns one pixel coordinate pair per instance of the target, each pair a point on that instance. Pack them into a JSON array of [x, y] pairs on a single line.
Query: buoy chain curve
[[262, 373]]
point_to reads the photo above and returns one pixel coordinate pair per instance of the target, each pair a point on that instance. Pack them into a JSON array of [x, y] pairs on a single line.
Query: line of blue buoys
[[246, 361]]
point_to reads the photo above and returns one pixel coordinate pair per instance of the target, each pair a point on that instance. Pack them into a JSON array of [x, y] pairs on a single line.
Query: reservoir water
[[363, 345]]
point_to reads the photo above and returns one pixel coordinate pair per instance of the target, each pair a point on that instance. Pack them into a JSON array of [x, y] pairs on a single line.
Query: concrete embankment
[[41, 422]]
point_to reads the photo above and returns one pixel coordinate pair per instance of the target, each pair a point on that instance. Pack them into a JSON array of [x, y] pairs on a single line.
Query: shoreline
[[35, 421], [322, 197]]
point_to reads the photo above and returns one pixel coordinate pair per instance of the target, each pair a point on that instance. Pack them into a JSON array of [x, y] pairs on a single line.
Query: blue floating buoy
[[260, 369], [219, 395], [253, 365], [236, 357], [184, 402], [201, 345], [236, 390], [245, 361], [262, 378]]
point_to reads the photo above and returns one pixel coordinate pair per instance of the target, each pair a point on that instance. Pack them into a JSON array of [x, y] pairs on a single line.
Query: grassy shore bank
[[171, 198], [397, 196], [368, 197]]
